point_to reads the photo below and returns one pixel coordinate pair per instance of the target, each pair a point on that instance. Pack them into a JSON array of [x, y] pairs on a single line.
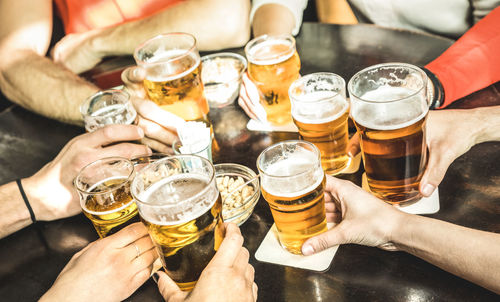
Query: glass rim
[[99, 161], [257, 40], [316, 150], [390, 64], [236, 56], [160, 161], [185, 53], [88, 100], [309, 76]]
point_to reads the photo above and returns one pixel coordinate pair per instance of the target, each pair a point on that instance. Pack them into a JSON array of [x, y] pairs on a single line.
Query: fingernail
[[155, 277], [428, 189], [140, 131], [307, 250]]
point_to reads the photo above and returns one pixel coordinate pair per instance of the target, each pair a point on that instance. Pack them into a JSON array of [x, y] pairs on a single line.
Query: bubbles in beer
[[168, 65], [271, 52]]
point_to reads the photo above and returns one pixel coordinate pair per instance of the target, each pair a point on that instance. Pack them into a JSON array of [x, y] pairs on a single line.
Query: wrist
[[484, 123], [36, 195]]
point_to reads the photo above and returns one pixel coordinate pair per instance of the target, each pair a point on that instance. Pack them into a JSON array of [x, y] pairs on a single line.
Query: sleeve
[[295, 6], [472, 62]]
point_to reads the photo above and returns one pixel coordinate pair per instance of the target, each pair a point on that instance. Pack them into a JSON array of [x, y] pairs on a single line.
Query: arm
[[470, 254], [335, 11], [276, 17]]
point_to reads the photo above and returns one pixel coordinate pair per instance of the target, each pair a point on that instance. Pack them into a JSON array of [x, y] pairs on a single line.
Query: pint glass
[[292, 183], [179, 203], [107, 107], [389, 108], [104, 189], [273, 64], [173, 75], [320, 111]]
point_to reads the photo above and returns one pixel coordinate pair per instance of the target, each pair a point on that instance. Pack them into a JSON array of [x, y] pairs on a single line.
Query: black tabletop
[[32, 258]]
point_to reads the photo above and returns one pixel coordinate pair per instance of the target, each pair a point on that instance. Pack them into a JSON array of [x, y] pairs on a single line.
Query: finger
[[168, 288], [353, 147], [229, 248], [333, 217], [245, 108], [145, 260], [139, 247], [157, 146], [241, 261], [151, 111], [255, 289], [128, 235], [330, 207], [113, 134], [251, 97], [249, 272], [127, 150], [156, 132], [321, 242], [132, 78], [434, 173]]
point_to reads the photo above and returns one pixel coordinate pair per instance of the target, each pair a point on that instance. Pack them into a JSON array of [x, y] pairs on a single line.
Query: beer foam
[[319, 107], [387, 115], [174, 200], [263, 53], [83, 202], [303, 163], [169, 68]]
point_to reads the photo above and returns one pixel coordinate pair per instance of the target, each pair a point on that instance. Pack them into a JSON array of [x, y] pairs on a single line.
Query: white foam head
[[263, 53], [319, 107]]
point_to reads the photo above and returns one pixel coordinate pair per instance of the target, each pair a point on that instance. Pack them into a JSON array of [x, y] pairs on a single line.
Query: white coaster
[[254, 125], [271, 251], [426, 205]]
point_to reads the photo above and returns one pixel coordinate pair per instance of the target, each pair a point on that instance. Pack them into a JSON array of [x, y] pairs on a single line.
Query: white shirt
[[295, 6]]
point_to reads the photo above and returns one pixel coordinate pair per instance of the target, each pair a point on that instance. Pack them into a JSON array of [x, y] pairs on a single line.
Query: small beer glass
[[104, 189], [292, 182], [320, 111], [179, 203], [389, 108], [108, 107], [273, 64]]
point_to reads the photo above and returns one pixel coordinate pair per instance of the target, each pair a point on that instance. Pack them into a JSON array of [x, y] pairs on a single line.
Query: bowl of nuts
[[239, 189]]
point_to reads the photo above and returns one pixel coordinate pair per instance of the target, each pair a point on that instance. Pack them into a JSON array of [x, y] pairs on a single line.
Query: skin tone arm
[[50, 191], [467, 253], [335, 11], [272, 19]]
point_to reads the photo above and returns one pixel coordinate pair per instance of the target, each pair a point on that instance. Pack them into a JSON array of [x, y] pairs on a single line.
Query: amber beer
[[273, 64], [182, 211], [293, 185], [320, 111], [104, 188], [173, 75], [390, 118]]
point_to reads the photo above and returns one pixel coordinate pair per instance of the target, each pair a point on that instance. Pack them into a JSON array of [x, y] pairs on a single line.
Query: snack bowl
[[238, 200], [221, 75]]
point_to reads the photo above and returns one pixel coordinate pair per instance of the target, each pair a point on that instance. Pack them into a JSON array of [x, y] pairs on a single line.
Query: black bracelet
[[25, 198], [438, 92]]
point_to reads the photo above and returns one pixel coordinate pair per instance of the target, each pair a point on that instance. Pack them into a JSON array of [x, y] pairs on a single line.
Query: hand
[[228, 276], [51, 192], [249, 100], [361, 218], [160, 126], [74, 51], [108, 269]]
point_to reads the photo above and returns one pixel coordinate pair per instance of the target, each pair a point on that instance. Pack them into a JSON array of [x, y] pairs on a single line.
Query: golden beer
[[173, 75], [292, 183], [390, 118], [273, 64], [183, 213], [320, 111], [105, 197]]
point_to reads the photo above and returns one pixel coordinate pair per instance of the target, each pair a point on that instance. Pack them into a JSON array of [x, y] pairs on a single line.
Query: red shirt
[[83, 15]]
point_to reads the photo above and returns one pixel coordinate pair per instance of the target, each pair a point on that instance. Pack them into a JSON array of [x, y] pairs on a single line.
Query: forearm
[[216, 24], [488, 122], [273, 19], [15, 214], [467, 253], [40, 85], [335, 11]]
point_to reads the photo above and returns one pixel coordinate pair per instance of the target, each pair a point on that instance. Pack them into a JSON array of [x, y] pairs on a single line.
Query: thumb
[[321, 242], [353, 147], [168, 289], [434, 173], [133, 75]]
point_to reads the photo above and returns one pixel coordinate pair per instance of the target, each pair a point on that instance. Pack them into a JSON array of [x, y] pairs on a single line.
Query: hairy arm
[[15, 214]]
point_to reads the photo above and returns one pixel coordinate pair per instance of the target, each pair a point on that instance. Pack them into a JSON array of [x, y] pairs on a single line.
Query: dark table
[[32, 258]]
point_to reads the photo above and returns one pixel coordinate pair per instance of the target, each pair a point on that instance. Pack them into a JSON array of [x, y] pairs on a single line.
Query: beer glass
[[273, 64], [179, 203], [389, 108], [173, 75], [107, 107], [292, 182], [320, 111], [104, 189]]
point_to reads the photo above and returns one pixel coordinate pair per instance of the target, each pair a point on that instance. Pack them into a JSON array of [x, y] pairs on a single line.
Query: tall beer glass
[[389, 108], [104, 189], [173, 75], [273, 64], [179, 203], [320, 111], [292, 183]]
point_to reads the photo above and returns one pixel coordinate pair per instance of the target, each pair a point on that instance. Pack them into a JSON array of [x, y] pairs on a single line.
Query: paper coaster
[[426, 205], [254, 125], [271, 251]]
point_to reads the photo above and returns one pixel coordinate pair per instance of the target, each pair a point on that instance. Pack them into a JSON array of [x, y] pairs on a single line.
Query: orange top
[[83, 15]]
